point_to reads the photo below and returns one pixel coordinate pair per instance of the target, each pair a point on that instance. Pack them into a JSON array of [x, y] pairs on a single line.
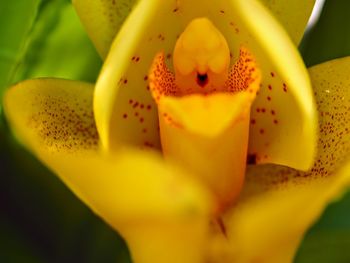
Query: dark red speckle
[[284, 87], [251, 159]]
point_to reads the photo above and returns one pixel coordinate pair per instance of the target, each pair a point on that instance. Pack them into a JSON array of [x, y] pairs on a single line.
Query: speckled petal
[[102, 20], [280, 203], [284, 113], [152, 204], [54, 114], [293, 15]]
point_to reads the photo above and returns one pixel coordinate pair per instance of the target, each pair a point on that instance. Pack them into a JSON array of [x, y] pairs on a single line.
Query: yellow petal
[[293, 15], [52, 113], [153, 205], [102, 20], [123, 87], [280, 203]]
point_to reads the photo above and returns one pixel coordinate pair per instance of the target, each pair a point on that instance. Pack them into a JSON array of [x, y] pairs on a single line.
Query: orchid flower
[[158, 147]]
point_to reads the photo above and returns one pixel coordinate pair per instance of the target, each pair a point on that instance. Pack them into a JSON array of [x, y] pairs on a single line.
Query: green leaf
[[13, 246], [59, 46], [328, 240], [16, 19], [330, 37]]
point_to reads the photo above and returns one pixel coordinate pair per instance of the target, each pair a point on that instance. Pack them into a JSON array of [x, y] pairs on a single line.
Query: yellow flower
[[103, 141]]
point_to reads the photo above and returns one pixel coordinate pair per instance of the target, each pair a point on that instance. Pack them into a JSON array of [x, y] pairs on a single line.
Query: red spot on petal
[[251, 159], [284, 87]]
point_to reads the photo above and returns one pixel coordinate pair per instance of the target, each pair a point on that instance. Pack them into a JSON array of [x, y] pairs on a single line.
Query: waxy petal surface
[[53, 113], [149, 203], [284, 112], [280, 203], [102, 20], [293, 15]]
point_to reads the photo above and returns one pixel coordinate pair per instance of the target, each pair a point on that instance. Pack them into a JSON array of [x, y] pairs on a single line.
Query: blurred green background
[[41, 220]]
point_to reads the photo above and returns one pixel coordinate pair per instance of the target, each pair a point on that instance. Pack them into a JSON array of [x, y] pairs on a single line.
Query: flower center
[[204, 109]]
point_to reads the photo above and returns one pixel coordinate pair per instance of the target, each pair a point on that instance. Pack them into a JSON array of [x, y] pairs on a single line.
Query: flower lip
[[204, 116]]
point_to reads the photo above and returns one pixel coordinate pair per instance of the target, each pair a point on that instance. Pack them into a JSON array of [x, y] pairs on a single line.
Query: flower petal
[[293, 15], [122, 87], [102, 20], [273, 195], [280, 216], [152, 204], [54, 114]]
